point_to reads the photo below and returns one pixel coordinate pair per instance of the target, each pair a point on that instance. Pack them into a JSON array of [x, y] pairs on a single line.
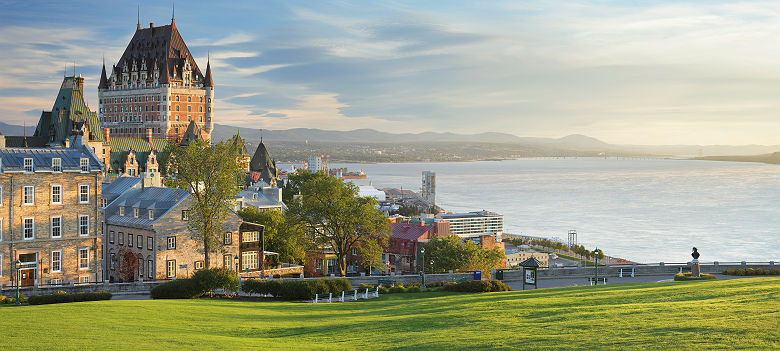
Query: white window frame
[[56, 165], [32, 228], [83, 227], [139, 241], [84, 165], [82, 194], [56, 265], [249, 260], [121, 210], [1, 230], [170, 268], [1, 195], [149, 269], [103, 203], [52, 226], [55, 282], [29, 165], [250, 237], [52, 194], [1, 264], [111, 235], [136, 212], [83, 257], [151, 215], [149, 243], [28, 201], [171, 243], [129, 239], [199, 265], [227, 238], [84, 279]]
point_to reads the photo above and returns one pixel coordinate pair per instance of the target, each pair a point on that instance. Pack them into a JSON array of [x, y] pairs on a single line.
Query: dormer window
[[135, 212], [151, 215], [121, 210], [28, 165], [56, 164], [84, 163]]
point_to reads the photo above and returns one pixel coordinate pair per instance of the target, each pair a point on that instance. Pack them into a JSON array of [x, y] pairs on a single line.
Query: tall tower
[[156, 87], [428, 192]]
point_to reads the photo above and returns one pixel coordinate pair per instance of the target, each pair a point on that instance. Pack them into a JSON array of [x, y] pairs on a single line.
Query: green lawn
[[740, 313]]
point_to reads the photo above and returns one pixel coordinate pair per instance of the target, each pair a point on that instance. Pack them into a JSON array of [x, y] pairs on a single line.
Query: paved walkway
[[563, 282]]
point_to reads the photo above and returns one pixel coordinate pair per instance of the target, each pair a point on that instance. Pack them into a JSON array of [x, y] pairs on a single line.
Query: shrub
[[413, 289], [3, 299], [63, 297], [396, 289], [177, 289], [273, 287], [336, 286], [253, 286], [383, 290], [478, 286], [687, 276], [366, 286], [302, 289], [434, 284], [751, 271], [212, 279]]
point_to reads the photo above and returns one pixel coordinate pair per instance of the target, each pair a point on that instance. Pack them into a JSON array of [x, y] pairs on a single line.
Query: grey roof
[[13, 158], [158, 199], [119, 186], [469, 214], [247, 198]]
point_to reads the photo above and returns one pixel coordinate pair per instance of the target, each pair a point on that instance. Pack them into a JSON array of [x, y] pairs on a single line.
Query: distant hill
[[10, 129], [773, 158]]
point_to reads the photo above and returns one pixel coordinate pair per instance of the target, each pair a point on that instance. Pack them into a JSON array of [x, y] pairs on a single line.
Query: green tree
[[295, 182], [211, 174], [283, 234], [449, 253], [335, 216]]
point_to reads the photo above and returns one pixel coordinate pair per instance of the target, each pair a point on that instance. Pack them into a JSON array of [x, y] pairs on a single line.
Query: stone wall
[[135, 288]]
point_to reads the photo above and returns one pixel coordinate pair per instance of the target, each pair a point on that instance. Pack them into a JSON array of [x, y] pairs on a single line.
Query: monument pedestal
[[695, 272]]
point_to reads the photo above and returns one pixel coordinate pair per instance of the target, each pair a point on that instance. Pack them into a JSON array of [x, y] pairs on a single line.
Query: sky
[[626, 72]]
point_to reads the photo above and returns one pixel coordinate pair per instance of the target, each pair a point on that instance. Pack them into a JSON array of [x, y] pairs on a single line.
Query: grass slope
[[741, 313]]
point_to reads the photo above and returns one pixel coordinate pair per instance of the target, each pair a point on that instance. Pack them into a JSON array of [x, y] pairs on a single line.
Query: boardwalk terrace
[[50, 214]]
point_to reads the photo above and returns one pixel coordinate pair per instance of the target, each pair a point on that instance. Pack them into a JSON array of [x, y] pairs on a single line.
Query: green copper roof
[[69, 107]]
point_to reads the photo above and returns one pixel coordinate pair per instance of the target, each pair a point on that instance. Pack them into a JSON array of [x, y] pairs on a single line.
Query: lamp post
[[18, 279], [596, 265], [236, 260], [422, 266]]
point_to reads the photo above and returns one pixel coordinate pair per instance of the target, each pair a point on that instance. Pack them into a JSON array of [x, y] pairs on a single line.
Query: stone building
[[156, 86], [151, 223], [50, 214]]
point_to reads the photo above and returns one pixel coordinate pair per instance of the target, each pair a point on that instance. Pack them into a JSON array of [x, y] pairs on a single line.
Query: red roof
[[408, 231]]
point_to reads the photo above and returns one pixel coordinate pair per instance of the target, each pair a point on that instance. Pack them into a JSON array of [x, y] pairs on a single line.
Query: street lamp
[[18, 279], [235, 259], [596, 265], [422, 266]]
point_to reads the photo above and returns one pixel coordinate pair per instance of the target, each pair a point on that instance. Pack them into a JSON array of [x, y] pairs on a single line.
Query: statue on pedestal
[[695, 271]]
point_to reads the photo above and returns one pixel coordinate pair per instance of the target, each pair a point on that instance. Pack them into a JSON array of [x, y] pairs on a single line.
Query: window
[[226, 261], [29, 228], [129, 240], [198, 264], [185, 215], [56, 227], [83, 193], [121, 210], [56, 261], [84, 258], [149, 268], [28, 195], [121, 237], [84, 163], [103, 203], [250, 237], [149, 243], [227, 238], [112, 261], [1, 264], [354, 251], [1, 231], [1, 190], [189, 99], [84, 279], [170, 268], [136, 210], [28, 165], [56, 194], [171, 242], [84, 225], [249, 260], [151, 214], [55, 282], [56, 164], [111, 237]]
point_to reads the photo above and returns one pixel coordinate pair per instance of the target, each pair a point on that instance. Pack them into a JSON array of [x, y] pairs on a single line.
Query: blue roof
[[13, 158]]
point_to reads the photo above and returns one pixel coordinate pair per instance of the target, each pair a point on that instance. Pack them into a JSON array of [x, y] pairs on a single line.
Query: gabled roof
[[13, 158], [193, 133], [531, 262], [408, 231]]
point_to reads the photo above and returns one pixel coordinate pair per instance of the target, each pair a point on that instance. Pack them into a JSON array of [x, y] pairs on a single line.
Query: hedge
[[478, 286], [203, 281], [177, 289], [63, 297], [751, 271], [296, 289], [687, 276]]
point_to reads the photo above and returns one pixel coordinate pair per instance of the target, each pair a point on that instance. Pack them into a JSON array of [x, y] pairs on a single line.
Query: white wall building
[[469, 224]]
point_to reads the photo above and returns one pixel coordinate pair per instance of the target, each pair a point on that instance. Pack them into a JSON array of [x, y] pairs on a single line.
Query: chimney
[[107, 135], [151, 24], [149, 135]]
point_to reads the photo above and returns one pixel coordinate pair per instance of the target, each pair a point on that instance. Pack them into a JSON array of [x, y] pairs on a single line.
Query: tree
[[449, 253], [296, 180], [335, 216], [211, 174], [129, 264], [283, 234]]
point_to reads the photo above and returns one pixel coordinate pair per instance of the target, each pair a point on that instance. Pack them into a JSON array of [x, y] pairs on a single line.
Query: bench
[[625, 271], [348, 295], [592, 280], [385, 282], [322, 297]]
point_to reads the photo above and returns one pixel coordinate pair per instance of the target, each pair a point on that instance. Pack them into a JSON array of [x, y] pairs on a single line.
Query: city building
[[318, 163], [400, 254], [262, 198], [150, 223], [428, 190], [50, 213], [513, 259], [470, 224], [262, 168], [156, 86]]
